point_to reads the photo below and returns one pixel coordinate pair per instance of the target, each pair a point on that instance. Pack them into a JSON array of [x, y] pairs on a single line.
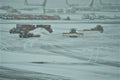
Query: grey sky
[[54, 3]]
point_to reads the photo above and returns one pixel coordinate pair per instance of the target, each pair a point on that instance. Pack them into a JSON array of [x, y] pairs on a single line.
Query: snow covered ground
[[94, 56]]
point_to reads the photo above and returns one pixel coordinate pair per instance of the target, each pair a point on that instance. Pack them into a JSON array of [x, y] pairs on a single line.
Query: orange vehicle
[[22, 27], [29, 27]]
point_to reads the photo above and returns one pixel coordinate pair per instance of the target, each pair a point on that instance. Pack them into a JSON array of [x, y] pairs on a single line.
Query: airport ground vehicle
[[73, 33], [22, 27], [29, 27], [97, 28], [24, 34]]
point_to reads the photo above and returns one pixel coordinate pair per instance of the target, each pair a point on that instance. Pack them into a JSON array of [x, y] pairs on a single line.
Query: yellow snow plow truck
[[73, 33]]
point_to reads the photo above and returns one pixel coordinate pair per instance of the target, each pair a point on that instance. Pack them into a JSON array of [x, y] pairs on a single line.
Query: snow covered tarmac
[[94, 56]]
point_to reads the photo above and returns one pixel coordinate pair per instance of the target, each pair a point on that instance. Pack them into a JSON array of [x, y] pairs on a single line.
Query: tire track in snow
[[16, 74], [69, 53], [65, 51]]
